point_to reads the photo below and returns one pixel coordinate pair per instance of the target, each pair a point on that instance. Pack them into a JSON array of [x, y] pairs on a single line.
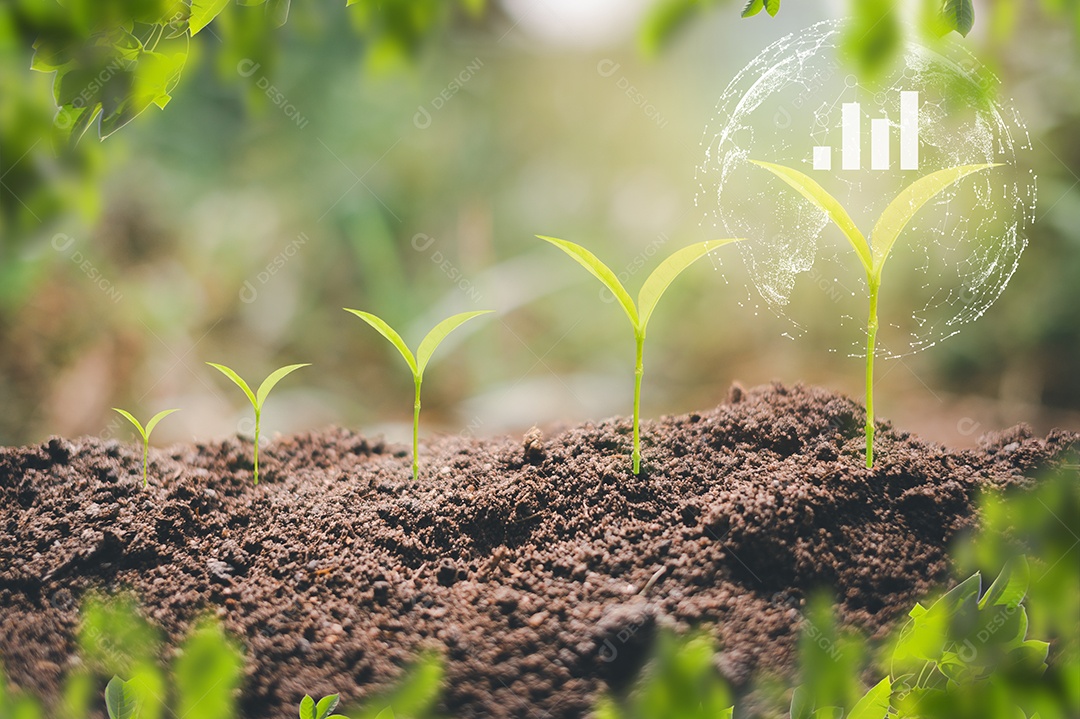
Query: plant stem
[[871, 340], [145, 451], [639, 370], [257, 448], [416, 432]]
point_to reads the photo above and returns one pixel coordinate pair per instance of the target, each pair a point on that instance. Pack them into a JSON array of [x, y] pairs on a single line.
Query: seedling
[[144, 432], [418, 363], [655, 286], [873, 253], [310, 710], [258, 399]]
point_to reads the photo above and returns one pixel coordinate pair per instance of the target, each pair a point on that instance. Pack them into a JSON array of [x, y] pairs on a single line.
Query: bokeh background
[[399, 157]]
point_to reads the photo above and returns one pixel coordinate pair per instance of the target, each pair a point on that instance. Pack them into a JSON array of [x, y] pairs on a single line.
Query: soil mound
[[540, 567]]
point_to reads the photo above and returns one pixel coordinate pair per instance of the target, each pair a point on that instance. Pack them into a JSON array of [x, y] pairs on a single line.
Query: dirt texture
[[539, 566]]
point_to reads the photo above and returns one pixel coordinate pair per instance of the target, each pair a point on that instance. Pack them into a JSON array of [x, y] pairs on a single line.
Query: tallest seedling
[[639, 314], [873, 254]]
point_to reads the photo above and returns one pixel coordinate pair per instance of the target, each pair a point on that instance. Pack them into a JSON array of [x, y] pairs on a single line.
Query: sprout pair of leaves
[[144, 432], [309, 709], [639, 314], [257, 399], [419, 362], [872, 254]]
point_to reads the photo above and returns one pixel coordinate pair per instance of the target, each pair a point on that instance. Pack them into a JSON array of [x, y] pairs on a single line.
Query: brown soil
[[539, 567]]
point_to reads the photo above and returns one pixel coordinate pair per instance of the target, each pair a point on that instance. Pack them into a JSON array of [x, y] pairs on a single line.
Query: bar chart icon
[[851, 138]]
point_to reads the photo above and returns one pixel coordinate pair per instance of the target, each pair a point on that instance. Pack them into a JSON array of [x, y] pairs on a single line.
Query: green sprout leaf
[[419, 362], [601, 272], [121, 699], [391, 334], [651, 291], [307, 707], [819, 196], [665, 273], [145, 432], [438, 333], [873, 255], [258, 400], [902, 209]]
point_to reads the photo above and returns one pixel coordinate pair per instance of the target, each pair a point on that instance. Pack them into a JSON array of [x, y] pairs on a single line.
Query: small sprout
[[145, 432], [655, 286], [310, 710], [873, 254], [258, 399], [418, 363], [121, 699]]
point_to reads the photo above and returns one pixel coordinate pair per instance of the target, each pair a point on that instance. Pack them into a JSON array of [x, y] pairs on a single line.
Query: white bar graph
[[879, 143], [909, 130], [822, 158], [851, 139], [850, 136]]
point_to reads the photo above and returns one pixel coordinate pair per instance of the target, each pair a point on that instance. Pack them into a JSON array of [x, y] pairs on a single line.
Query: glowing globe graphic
[[796, 105]]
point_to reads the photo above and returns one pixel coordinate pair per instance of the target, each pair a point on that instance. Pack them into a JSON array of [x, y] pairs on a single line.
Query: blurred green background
[[398, 157]]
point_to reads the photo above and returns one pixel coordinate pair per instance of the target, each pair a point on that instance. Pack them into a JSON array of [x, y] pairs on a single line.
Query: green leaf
[[663, 21], [753, 7], [120, 699], [828, 204], [802, 703], [49, 57], [435, 337], [902, 209], [873, 37], [237, 381], [157, 418], [875, 703], [208, 673], [203, 12], [326, 705], [389, 333], [829, 713], [959, 15], [276, 376], [127, 415], [1011, 585], [278, 10], [662, 277], [772, 7], [307, 708], [600, 271]]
